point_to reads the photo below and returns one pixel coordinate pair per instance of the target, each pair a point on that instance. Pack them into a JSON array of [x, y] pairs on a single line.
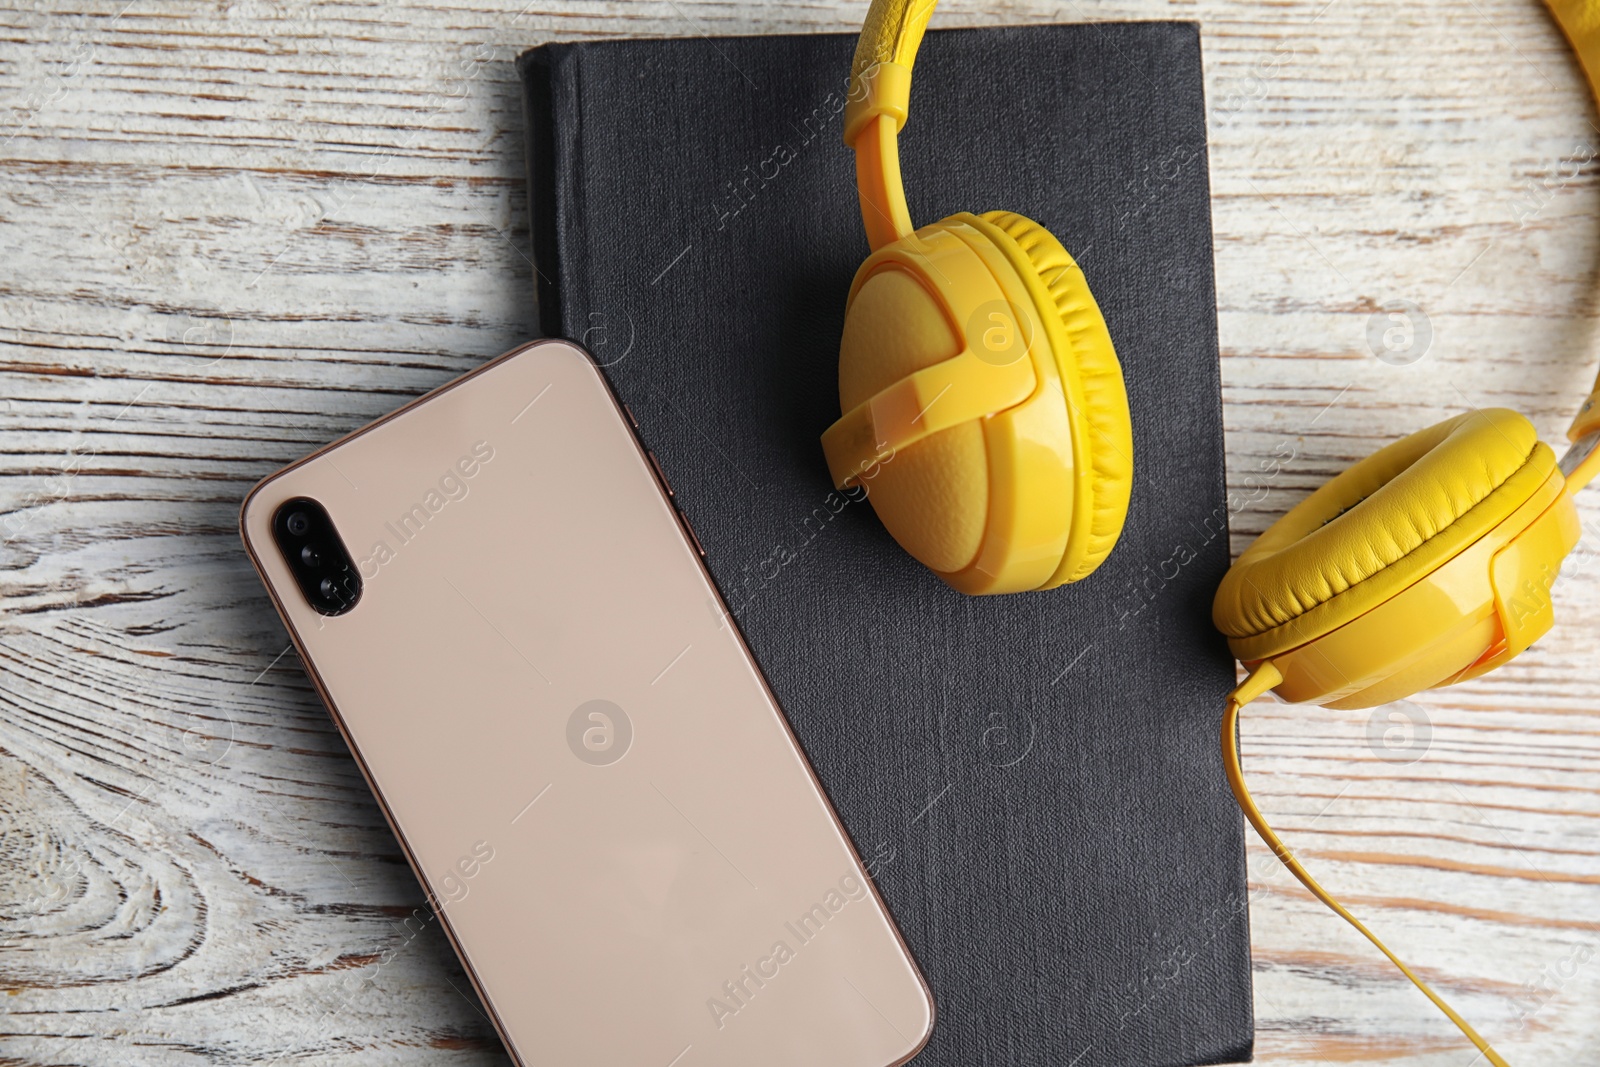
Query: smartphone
[[513, 628]]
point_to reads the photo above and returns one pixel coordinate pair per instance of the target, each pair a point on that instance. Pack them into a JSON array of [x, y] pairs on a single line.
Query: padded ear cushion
[[1092, 360], [1379, 527]]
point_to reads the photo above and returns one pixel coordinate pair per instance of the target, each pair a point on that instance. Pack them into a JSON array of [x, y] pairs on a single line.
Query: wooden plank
[[234, 232]]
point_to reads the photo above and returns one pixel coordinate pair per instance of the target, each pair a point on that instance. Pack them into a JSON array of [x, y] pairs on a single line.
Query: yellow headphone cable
[[1260, 681]]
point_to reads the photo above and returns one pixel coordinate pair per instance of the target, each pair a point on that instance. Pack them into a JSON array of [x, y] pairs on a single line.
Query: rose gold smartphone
[[512, 628]]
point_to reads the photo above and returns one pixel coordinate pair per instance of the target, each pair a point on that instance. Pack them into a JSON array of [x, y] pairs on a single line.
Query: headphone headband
[[892, 33], [879, 99], [1580, 22]]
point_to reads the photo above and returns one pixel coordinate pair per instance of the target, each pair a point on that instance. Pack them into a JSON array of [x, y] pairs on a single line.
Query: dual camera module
[[322, 567]]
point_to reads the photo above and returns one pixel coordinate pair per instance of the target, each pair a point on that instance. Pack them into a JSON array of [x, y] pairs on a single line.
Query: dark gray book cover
[[1035, 781]]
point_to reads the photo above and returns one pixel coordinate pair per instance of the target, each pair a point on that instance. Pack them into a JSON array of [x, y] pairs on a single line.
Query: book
[[1034, 781]]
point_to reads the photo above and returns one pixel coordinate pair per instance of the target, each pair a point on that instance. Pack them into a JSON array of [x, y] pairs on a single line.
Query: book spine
[[539, 69]]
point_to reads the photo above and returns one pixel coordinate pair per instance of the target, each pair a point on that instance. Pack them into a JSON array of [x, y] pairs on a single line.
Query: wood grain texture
[[234, 231]]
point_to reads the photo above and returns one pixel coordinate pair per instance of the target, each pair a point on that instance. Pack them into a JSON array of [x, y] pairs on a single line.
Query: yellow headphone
[[983, 401], [1427, 563]]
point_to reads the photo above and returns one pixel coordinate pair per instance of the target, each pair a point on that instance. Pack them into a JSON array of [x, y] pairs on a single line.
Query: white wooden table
[[234, 231]]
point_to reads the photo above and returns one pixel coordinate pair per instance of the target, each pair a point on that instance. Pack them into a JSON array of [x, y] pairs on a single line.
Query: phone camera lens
[[311, 546]]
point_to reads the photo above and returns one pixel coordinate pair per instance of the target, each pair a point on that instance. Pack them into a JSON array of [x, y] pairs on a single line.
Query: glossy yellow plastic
[[1027, 440], [1064, 357], [879, 102], [1490, 601], [873, 118], [938, 397], [1472, 614], [1001, 471], [883, 195]]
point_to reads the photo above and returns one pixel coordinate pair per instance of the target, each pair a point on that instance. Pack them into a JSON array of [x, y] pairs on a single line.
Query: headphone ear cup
[[1097, 399], [1379, 528], [932, 497], [1021, 475]]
